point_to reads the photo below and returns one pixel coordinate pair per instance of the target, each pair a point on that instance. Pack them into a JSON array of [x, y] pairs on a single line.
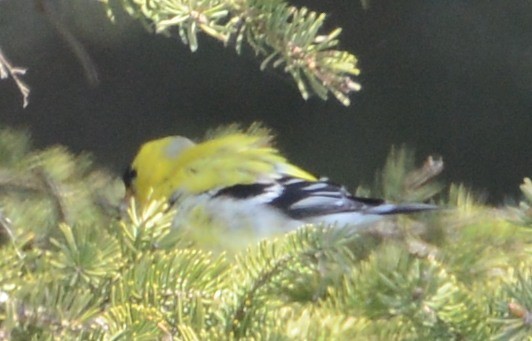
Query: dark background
[[446, 77]]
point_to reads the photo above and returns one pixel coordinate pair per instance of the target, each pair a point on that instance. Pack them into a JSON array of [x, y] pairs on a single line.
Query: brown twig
[[7, 70]]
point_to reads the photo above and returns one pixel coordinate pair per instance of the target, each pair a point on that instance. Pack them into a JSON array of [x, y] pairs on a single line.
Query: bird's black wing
[[302, 199]]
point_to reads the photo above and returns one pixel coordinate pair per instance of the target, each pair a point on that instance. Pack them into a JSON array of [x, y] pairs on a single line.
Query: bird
[[238, 181]]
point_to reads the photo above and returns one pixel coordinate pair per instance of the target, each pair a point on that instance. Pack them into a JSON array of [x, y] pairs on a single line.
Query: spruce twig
[[282, 35]]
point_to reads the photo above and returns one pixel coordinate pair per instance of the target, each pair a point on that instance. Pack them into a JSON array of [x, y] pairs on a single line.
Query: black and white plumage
[[240, 182], [290, 202]]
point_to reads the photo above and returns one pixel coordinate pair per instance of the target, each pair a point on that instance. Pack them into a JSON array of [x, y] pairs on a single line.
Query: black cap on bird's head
[[128, 176]]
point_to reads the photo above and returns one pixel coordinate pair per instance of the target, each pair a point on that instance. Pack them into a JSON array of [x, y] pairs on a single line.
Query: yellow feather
[[174, 164]]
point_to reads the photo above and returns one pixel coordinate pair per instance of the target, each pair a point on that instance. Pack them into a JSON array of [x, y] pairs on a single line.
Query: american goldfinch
[[238, 181]]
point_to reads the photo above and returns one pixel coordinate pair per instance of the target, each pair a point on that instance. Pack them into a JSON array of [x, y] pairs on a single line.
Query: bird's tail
[[385, 209]]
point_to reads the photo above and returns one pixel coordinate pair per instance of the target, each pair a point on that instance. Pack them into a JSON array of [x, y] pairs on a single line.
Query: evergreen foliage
[[75, 264], [283, 35]]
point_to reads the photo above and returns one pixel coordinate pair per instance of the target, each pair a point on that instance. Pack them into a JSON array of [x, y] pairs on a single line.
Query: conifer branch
[[284, 36], [277, 265], [97, 278], [400, 180]]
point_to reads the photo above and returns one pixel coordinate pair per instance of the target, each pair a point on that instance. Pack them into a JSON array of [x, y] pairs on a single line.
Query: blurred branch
[[523, 213], [402, 180], [431, 168], [89, 68], [7, 70]]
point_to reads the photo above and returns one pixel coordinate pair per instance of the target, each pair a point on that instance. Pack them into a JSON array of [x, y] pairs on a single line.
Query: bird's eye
[[129, 175]]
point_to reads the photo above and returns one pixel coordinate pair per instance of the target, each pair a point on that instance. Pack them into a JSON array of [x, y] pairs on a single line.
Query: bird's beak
[[126, 201]]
